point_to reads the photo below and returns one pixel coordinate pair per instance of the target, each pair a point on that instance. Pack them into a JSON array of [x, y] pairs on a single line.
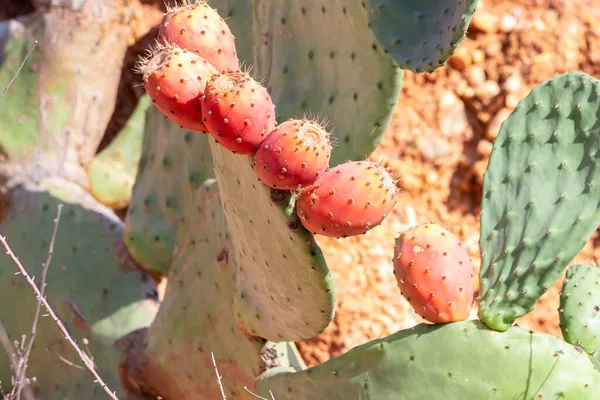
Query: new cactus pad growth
[[434, 273], [175, 80], [200, 29], [347, 200], [293, 155], [237, 111], [579, 309]]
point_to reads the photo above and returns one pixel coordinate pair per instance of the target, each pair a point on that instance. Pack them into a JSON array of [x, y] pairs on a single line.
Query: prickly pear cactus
[[345, 79], [173, 164], [53, 101], [540, 197], [92, 283], [197, 318], [239, 15], [112, 173], [461, 360], [580, 309], [420, 34], [280, 266]]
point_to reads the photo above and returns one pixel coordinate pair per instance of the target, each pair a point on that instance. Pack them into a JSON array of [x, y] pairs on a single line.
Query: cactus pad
[[420, 34], [197, 318], [540, 195], [461, 360], [92, 284], [113, 171], [334, 69], [56, 112], [174, 163], [284, 288], [580, 308]]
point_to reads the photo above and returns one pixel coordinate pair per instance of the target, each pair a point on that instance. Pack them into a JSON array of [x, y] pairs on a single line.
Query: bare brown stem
[[21, 373], [84, 357]]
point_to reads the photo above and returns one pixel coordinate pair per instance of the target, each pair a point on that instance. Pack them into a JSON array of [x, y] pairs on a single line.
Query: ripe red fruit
[[434, 273], [347, 200], [237, 111], [293, 155], [200, 29], [175, 80]]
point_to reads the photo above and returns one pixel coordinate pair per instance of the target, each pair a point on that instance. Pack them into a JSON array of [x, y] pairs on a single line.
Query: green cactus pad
[[284, 288], [92, 284], [112, 173], [57, 109], [335, 69], [540, 195], [19, 111], [580, 308], [457, 361], [239, 15], [174, 163], [197, 317], [420, 34]]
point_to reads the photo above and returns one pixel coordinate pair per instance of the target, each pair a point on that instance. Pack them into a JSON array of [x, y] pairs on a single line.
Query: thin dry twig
[[257, 396], [84, 357], [21, 372], [18, 70], [245, 387], [13, 355], [218, 376]]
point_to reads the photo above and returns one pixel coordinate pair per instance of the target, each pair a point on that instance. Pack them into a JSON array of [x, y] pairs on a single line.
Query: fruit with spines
[[175, 80], [347, 200], [434, 273], [199, 28], [293, 155], [237, 111]]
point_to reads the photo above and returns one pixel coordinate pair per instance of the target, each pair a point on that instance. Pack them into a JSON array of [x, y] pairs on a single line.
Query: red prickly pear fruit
[[237, 111], [175, 80], [347, 200], [293, 155], [434, 273], [200, 29]]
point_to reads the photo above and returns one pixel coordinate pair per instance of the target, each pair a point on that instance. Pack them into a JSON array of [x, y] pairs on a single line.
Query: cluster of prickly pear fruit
[[433, 271], [193, 78]]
